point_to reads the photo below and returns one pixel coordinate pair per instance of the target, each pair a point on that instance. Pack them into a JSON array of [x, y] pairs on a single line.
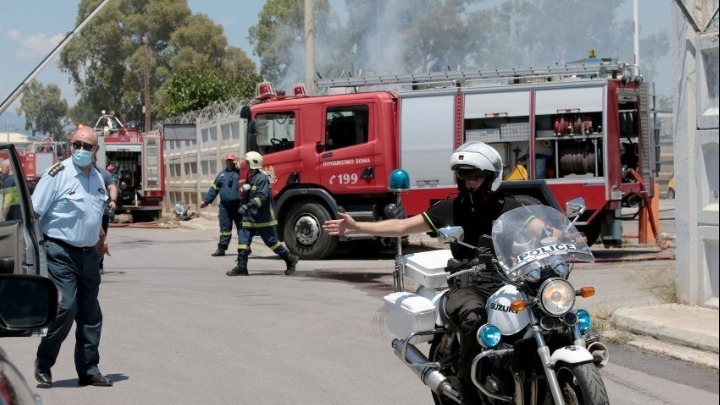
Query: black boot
[[219, 252], [291, 261], [240, 268]]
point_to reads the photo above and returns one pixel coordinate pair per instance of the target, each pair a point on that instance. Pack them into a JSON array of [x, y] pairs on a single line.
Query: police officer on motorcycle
[[478, 169], [226, 186]]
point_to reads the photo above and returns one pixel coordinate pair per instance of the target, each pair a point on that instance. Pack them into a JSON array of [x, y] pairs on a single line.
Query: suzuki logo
[[500, 307]]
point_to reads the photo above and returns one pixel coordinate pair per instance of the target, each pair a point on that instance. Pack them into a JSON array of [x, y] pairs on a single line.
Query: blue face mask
[[82, 158]]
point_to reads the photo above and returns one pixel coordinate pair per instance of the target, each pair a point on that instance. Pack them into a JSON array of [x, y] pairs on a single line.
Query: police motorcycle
[[536, 346]]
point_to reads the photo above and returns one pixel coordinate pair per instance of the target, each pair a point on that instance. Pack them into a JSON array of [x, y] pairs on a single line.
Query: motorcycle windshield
[[532, 237]]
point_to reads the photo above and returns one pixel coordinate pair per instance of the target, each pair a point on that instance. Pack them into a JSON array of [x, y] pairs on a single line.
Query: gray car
[[28, 298]]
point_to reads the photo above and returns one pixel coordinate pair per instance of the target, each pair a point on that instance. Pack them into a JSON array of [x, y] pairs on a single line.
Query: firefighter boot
[[291, 261], [219, 252], [240, 268]]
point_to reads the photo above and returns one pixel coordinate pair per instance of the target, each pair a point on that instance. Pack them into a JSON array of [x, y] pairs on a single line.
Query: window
[[346, 126], [275, 132]]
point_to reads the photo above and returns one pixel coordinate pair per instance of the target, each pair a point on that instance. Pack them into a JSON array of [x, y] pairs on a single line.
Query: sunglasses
[[86, 146], [470, 174]]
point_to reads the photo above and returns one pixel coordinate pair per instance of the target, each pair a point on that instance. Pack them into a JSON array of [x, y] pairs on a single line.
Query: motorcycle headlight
[[489, 336], [556, 297], [584, 320]]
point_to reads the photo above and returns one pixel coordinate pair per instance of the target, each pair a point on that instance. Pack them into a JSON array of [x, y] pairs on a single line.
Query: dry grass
[[603, 325], [660, 282]]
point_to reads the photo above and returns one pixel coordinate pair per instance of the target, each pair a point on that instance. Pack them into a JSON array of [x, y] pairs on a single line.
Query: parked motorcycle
[[537, 348]]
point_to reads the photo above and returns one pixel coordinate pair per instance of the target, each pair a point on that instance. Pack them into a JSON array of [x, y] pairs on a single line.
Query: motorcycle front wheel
[[581, 384]]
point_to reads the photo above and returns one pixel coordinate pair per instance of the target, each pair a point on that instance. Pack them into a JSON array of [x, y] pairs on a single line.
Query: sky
[[30, 29]]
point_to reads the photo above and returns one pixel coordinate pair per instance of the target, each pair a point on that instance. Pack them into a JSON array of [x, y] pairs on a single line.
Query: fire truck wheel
[[303, 233]]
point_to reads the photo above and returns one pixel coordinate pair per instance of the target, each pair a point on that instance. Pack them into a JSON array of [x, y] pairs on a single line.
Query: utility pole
[[309, 46], [146, 107]]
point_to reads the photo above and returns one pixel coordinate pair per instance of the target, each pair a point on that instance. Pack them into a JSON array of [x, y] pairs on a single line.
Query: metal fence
[[191, 165]]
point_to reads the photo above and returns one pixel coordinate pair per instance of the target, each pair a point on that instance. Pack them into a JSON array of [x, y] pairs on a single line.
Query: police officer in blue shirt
[[69, 200], [226, 185]]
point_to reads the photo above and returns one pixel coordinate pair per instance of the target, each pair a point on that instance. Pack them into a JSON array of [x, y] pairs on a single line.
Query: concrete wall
[[697, 150], [191, 166]]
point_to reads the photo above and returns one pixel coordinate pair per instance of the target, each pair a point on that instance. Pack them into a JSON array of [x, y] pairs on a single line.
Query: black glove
[[243, 209]]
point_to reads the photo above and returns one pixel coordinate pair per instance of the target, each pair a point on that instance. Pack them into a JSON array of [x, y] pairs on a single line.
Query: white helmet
[[478, 155], [254, 160]]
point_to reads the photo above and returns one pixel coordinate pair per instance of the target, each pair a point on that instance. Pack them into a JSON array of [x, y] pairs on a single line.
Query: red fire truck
[[577, 130], [138, 161], [39, 156]]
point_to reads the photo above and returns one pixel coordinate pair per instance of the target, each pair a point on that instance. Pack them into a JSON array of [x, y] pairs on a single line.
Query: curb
[[684, 353], [690, 326]]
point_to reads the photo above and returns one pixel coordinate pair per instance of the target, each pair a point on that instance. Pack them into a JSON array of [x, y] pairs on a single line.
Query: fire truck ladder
[[593, 69]]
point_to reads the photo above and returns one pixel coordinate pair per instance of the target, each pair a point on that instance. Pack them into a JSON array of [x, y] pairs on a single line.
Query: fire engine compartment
[[569, 143], [128, 169]]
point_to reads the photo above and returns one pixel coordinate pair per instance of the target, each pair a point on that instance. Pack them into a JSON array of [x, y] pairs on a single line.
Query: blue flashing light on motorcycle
[[584, 320], [489, 336]]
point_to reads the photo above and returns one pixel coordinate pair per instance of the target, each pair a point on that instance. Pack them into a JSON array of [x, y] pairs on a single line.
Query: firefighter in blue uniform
[[259, 218], [226, 185]]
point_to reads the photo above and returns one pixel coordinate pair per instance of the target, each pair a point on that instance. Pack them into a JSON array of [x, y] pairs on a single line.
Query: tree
[[279, 36], [106, 60], [195, 88], [45, 112]]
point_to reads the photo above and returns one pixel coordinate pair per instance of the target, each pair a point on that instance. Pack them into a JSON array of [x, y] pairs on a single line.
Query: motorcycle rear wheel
[[580, 384]]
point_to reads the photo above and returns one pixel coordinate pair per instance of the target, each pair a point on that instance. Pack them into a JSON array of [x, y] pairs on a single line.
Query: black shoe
[[237, 272], [218, 252], [291, 262], [43, 377], [97, 380]]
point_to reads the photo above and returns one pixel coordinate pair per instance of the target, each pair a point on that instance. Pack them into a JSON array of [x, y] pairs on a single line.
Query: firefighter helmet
[[254, 160], [475, 156]]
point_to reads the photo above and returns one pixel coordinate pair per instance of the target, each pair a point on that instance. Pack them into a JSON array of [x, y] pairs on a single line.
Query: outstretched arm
[[346, 225]]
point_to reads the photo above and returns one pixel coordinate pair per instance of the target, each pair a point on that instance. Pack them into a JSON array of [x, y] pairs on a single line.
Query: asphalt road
[[177, 330]]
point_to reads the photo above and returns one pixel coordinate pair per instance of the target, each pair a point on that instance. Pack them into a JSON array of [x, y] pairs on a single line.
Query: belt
[[69, 246]]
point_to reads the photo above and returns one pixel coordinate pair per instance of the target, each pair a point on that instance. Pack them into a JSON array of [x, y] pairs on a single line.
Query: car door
[[21, 243]]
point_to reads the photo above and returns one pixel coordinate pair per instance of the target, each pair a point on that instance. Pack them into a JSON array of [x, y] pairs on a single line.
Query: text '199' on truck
[[564, 131]]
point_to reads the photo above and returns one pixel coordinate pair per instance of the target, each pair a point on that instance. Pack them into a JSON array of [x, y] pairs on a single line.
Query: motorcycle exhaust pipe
[[600, 353], [420, 365]]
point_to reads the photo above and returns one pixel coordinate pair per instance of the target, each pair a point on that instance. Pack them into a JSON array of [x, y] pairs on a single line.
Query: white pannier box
[[428, 268], [408, 313]]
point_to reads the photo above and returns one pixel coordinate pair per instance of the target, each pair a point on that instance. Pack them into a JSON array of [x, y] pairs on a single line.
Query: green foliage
[[107, 60], [43, 109], [192, 90]]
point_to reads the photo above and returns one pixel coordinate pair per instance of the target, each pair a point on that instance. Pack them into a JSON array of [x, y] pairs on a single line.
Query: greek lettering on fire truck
[[580, 129], [137, 159]]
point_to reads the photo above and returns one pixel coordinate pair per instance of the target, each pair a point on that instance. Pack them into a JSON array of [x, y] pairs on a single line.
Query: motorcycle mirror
[[575, 207], [450, 234]]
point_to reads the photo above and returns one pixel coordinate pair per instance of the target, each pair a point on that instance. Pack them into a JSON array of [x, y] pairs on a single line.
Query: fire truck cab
[[577, 130]]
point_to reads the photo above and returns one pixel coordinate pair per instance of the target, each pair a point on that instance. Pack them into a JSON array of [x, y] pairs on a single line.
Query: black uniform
[[466, 306]]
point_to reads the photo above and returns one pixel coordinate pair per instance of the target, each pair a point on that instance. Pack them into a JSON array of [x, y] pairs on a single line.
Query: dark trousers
[[466, 309], [77, 278], [227, 215], [267, 233]]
